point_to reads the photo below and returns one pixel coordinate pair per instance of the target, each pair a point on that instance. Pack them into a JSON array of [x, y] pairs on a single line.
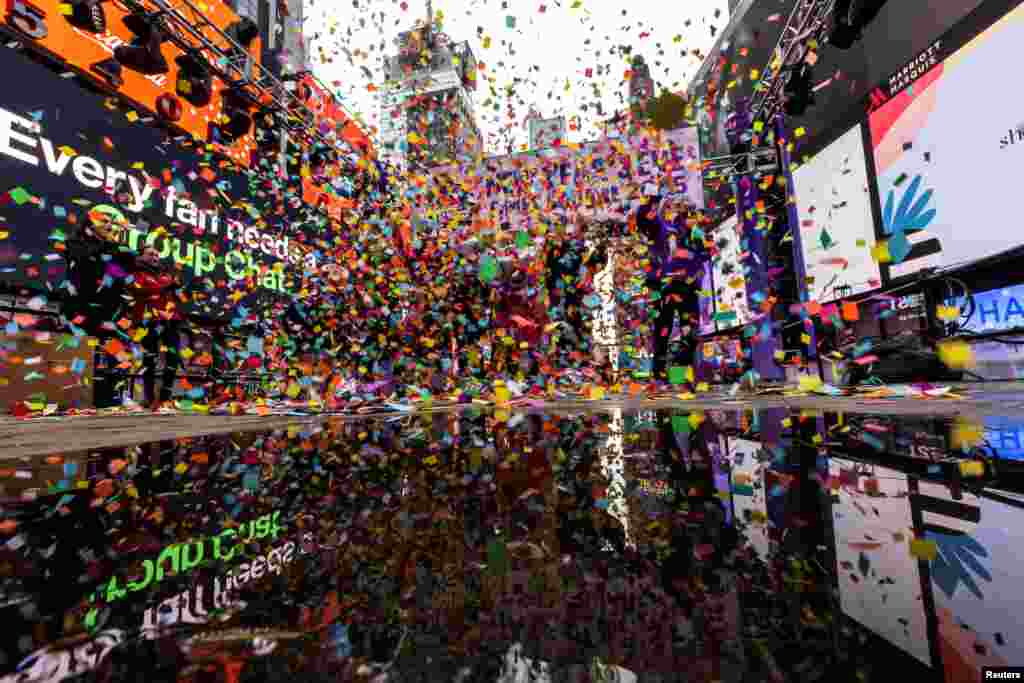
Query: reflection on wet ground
[[497, 546]]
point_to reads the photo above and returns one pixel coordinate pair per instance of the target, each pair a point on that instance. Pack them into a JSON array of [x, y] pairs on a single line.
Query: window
[[248, 8]]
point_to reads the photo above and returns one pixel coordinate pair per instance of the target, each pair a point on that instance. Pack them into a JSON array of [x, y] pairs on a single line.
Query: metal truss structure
[[188, 28], [808, 21], [764, 159]]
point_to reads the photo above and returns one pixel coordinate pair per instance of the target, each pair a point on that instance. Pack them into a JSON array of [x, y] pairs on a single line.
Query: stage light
[[88, 15], [236, 116], [143, 55], [850, 18], [168, 108], [243, 32], [194, 81], [799, 91]]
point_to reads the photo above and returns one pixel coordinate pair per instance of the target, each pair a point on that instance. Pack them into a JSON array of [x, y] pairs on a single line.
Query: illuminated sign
[[1005, 436], [62, 170], [995, 310], [191, 606], [182, 558]]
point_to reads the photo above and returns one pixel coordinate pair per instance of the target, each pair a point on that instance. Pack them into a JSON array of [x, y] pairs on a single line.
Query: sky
[[542, 60]]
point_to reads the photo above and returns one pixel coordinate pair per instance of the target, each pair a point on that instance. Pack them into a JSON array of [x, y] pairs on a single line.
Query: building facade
[[280, 25], [427, 110]]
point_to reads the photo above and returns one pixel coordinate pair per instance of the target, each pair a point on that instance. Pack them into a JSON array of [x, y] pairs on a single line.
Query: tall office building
[[427, 112]]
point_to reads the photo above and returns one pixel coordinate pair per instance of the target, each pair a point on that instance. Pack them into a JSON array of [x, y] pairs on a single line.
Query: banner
[[65, 157], [325, 187], [45, 24], [604, 176]]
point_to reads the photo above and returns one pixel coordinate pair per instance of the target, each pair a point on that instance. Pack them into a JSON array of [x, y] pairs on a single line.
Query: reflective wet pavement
[[665, 545]]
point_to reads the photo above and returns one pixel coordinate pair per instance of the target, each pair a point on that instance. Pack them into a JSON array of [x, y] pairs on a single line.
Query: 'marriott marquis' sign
[[63, 154]]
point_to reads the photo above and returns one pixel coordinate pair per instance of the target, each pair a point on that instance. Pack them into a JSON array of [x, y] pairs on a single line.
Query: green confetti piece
[[680, 424], [19, 195], [900, 180]]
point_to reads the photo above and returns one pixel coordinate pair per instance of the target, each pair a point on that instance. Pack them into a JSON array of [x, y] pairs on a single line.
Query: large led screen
[[949, 152], [732, 308], [837, 230], [879, 580], [976, 575], [748, 494]]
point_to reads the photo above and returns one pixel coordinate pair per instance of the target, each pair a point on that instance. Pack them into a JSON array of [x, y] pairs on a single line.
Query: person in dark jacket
[[96, 271], [678, 257], [567, 267]]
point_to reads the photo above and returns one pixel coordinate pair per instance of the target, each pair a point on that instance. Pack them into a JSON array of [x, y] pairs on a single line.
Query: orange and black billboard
[[47, 25], [319, 185]]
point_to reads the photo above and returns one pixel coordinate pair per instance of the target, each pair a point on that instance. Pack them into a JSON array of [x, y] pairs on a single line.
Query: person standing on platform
[[569, 271], [96, 271], [677, 258], [156, 309]]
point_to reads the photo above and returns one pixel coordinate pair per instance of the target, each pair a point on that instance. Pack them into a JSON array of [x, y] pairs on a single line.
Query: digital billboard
[[948, 150], [879, 580], [837, 229], [732, 307], [65, 156], [47, 25]]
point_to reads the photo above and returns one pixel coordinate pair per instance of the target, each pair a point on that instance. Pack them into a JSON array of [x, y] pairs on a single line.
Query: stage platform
[[27, 438]]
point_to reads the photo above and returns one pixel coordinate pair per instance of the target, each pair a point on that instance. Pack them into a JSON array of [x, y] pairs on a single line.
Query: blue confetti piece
[[873, 441]]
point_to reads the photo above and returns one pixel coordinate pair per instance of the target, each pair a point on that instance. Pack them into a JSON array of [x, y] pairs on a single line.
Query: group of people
[[412, 299]]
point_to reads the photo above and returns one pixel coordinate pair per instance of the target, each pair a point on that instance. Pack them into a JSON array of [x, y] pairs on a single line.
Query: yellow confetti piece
[[810, 383], [800, 132], [132, 116], [956, 354], [924, 549], [880, 253], [972, 468], [965, 433]]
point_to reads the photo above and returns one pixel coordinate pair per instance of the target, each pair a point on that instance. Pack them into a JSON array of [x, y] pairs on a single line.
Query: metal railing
[[806, 22], [190, 29]]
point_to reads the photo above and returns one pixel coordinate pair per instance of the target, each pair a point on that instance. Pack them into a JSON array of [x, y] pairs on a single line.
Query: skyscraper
[[427, 112]]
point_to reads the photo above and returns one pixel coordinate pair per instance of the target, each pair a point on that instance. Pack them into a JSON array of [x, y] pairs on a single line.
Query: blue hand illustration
[[955, 562], [907, 218]]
